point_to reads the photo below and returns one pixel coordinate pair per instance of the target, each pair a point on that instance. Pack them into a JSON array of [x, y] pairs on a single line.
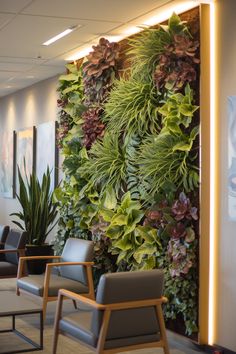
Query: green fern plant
[[106, 164], [132, 108], [166, 158]]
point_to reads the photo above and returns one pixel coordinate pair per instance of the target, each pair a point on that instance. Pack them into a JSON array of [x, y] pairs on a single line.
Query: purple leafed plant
[[99, 71], [177, 65], [92, 126]]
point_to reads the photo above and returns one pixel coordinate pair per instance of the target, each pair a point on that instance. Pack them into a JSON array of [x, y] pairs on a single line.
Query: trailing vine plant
[[131, 168]]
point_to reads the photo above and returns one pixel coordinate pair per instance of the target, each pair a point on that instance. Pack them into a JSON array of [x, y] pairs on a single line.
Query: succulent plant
[[104, 56], [182, 209], [177, 231], [92, 126], [177, 64], [182, 261], [100, 70]]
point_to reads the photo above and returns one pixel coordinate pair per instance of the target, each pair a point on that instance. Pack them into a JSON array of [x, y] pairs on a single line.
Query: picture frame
[[25, 153], [7, 164], [47, 151]]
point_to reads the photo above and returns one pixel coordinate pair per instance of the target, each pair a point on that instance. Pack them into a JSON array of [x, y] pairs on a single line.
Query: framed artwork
[[25, 151], [7, 164], [47, 151]]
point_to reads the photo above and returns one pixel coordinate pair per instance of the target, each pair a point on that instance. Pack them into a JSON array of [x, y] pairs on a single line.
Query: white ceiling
[[26, 24]]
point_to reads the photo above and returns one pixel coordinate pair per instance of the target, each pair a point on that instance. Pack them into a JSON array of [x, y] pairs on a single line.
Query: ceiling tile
[[32, 31], [16, 67], [20, 60], [4, 75], [4, 19], [13, 6], [112, 10]]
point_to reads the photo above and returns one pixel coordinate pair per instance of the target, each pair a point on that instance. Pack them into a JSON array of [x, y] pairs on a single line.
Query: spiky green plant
[[146, 47], [167, 157], [106, 164], [132, 108], [38, 210]]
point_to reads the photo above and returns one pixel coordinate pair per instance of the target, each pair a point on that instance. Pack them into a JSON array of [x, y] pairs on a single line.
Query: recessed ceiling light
[[30, 77], [60, 35]]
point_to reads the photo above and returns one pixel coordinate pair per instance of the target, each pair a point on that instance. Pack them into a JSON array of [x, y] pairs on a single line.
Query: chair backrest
[[4, 231], [124, 287], [16, 239], [76, 250]]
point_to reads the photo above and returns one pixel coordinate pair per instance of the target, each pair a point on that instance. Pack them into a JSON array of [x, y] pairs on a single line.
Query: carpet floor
[[29, 325]]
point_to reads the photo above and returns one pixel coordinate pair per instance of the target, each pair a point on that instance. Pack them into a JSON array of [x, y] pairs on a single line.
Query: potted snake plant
[[37, 217]]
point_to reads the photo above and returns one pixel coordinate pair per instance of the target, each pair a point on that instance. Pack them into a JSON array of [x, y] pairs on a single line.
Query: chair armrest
[[57, 264], [13, 250], [26, 258], [134, 304], [81, 298], [112, 307]]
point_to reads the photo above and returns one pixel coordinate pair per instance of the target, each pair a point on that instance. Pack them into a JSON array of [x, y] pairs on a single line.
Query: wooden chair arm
[[13, 250], [135, 304], [57, 264], [27, 258], [22, 260], [81, 298], [112, 307]]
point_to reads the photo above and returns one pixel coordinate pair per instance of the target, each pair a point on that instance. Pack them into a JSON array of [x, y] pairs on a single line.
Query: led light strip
[[213, 183]]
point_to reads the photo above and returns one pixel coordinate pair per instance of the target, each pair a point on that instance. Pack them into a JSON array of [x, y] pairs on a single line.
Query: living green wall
[[129, 138]]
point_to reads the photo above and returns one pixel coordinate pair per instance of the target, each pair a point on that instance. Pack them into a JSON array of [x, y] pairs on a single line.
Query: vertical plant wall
[[131, 159]]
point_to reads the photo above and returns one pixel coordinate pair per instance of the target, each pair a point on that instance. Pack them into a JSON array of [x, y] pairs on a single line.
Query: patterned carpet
[[29, 325]]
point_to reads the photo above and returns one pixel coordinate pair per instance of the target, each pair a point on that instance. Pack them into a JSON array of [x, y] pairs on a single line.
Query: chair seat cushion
[[7, 268], [78, 325], [35, 284]]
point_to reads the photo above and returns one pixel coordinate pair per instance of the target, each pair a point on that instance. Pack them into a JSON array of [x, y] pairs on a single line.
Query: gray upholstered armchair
[[72, 271], [4, 231], [14, 247], [126, 315]]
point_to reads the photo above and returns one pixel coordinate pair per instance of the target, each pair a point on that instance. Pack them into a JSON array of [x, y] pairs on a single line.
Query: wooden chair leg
[[162, 329], [56, 324], [75, 304], [103, 332], [45, 302]]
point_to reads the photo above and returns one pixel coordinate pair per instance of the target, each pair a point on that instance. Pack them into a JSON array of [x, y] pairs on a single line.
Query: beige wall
[[31, 106], [226, 306]]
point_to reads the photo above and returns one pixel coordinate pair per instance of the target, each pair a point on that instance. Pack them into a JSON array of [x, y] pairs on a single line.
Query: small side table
[[12, 305]]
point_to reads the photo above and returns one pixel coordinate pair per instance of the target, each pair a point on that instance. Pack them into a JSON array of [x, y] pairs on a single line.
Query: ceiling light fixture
[[60, 35]]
